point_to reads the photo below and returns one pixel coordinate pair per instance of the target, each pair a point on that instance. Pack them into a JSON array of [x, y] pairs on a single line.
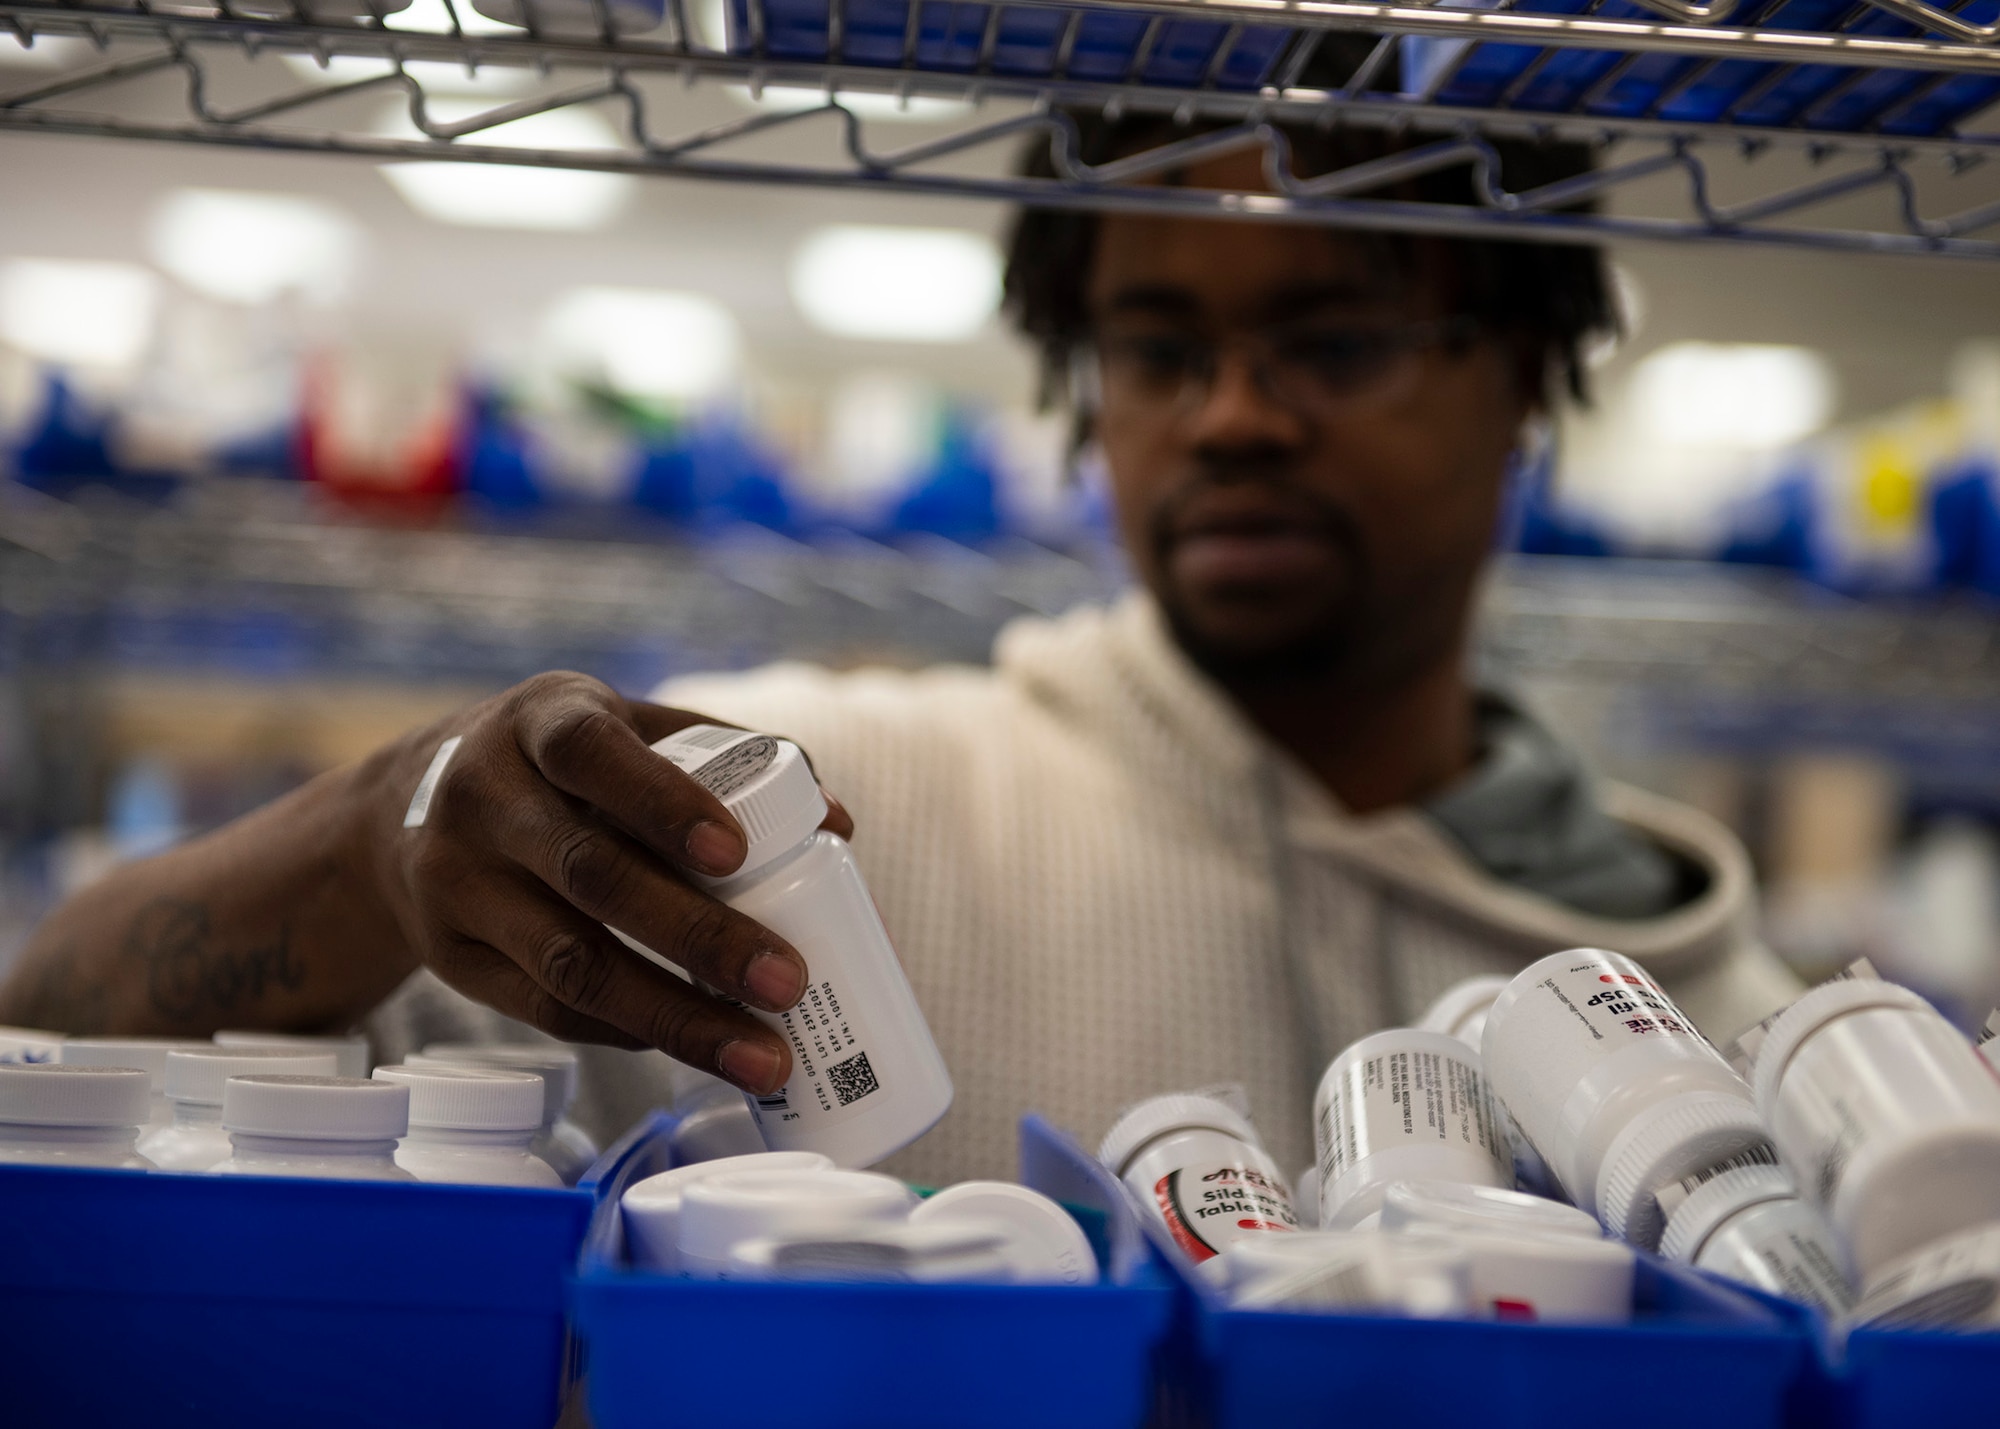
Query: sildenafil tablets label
[[1207, 1207], [1405, 1098]]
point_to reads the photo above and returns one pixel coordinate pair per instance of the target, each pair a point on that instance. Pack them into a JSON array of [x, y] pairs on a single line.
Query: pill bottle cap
[[965, 1251], [317, 1108], [1715, 1201], [555, 1065], [651, 1208], [1665, 1142], [469, 1098], [1155, 1117], [1043, 1242], [723, 1211], [197, 1074], [1953, 1282], [49, 1094], [1460, 1010], [764, 781], [1455, 1205], [1812, 1012], [149, 1054], [351, 1053]]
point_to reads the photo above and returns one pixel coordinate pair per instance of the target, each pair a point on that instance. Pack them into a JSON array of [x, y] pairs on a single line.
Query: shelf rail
[[1843, 170]]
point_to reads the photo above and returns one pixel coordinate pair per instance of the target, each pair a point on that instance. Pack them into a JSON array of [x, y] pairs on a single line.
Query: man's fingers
[[581, 737], [600, 871], [581, 966], [483, 973], [837, 821]]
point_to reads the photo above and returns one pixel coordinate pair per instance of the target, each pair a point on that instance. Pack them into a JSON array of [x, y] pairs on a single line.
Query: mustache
[[1299, 509]]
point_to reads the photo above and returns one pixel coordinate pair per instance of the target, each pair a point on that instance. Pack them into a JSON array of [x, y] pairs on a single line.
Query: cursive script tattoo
[[188, 979]]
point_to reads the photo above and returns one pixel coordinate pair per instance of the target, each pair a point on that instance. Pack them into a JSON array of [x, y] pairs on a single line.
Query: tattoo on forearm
[[188, 978], [58, 999]]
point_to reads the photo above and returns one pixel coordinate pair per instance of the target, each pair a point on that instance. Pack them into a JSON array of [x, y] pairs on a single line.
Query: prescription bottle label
[[720, 760], [1617, 1006], [1407, 1098], [833, 1076], [1207, 1208]]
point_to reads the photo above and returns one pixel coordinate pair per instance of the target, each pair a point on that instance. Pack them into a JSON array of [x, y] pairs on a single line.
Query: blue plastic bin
[[1697, 1352], [663, 1351], [1893, 1378], [147, 1299]]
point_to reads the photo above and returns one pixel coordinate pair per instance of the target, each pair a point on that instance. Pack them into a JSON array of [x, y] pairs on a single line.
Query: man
[[1215, 833]]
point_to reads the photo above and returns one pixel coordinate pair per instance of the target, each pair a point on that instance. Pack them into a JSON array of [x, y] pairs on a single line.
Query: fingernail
[[751, 1065], [714, 848], [774, 981]]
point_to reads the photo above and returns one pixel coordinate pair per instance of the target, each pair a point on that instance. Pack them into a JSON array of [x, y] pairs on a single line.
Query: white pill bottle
[[1614, 1086], [1196, 1164], [867, 1078]]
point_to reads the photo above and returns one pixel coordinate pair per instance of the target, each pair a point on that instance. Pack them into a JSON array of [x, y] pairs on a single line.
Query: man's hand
[[553, 819]]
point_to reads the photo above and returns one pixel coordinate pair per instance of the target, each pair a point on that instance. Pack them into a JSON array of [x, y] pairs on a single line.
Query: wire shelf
[[1835, 124]]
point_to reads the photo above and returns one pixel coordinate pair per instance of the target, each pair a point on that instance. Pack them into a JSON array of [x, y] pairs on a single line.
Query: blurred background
[[296, 452]]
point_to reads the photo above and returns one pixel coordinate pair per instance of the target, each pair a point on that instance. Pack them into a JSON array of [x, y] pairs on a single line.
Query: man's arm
[[552, 819]]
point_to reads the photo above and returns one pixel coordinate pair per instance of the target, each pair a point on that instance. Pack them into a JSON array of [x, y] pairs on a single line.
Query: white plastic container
[[148, 1054], [1420, 1275], [334, 1128], [720, 1213], [1953, 1283], [1613, 1085], [1988, 1041], [1545, 1279], [1041, 1243], [1456, 1206], [1195, 1164], [1460, 1010], [52, 1115], [22, 1045], [945, 1252], [575, 19], [560, 1142], [867, 1078], [471, 1126], [194, 1140], [1749, 1225], [1885, 1115], [350, 1054], [1403, 1105], [651, 1209]]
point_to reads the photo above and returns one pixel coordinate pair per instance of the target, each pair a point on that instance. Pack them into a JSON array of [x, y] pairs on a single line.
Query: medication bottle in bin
[[1197, 1166], [867, 1078]]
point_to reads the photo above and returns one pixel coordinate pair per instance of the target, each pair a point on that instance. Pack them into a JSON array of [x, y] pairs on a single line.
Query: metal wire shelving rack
[[1834, 124]]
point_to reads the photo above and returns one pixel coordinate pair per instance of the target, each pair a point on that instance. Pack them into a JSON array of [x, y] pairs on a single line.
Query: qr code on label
[[853, 1079]]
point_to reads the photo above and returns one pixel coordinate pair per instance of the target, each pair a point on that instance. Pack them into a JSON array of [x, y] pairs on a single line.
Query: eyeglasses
[[1314, 370]]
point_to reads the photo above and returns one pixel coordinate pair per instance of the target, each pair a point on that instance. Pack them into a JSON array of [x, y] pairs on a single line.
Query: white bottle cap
[[1043, 1243], [350, 1053], [968, 1251], [1460, 1010], [1418, 1274], [555, 1065], [764, 782], [1662, 1144], [47, 1094], [28, 1044], [1548, 1279], [1252, 1258], [469, 1098], [148, 1054], [196, 1074], [1812, 1012], [1950, 1283], [316, 1108], [651, 1209], [1715, 1201], [720, 1213], [1156, 1117], [1454, 1205]]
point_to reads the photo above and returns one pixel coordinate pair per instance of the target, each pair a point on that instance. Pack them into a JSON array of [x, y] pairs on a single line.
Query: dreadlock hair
[[1548, 301]]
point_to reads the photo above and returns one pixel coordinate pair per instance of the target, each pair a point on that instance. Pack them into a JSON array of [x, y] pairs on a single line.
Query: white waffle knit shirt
[[1104, 884]]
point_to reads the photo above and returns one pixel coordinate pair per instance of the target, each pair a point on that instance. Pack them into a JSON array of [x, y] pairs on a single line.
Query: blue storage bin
[[148, 1299], [1894, 1378], [663, 1351], [1697, 1352]]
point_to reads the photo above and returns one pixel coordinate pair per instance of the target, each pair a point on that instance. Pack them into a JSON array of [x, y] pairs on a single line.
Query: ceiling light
[[67, 310], [645, 342], [248, 247], [897, 284], [512, 195], [47, 52], [1750, 396], [864, 104], [431, 17]]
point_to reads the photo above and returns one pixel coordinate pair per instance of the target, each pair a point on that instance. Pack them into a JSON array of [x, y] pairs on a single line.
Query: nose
[[1236, 410]]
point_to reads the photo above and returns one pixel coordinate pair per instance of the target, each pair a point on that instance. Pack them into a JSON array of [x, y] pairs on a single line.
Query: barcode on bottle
[[1991, 1029], [1759, 1155], [775, 1102], [709, 736]]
